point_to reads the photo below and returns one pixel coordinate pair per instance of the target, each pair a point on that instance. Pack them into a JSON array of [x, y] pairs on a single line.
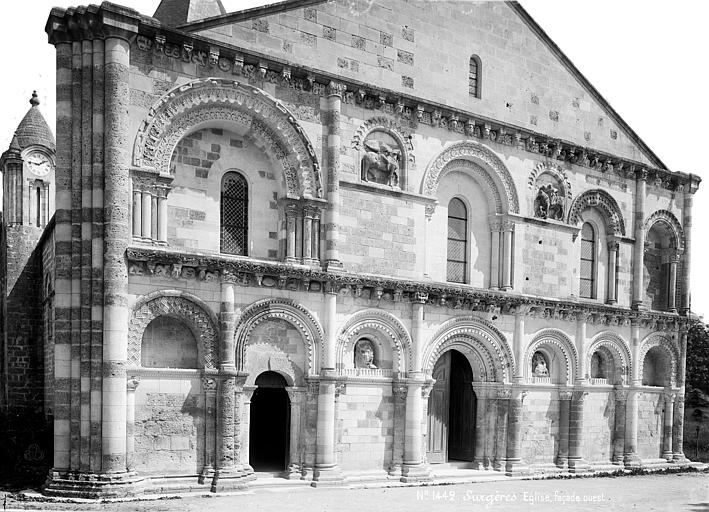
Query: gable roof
[[288, 5]]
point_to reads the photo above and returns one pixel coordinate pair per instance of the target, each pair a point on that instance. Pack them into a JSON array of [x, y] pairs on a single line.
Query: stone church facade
[[343, 241]]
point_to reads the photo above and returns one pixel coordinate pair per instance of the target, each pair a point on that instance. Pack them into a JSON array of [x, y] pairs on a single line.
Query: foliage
[[698, 357]]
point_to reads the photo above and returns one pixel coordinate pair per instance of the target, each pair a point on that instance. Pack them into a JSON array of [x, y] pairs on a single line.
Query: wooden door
[[461, 416], [438, 411]]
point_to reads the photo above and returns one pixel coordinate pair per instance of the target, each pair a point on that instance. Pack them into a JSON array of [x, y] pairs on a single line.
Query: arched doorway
[[269, 426], [451, 410]]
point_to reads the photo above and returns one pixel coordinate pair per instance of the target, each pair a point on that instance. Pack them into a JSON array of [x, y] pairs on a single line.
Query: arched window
[[234, 214], [457, 241], [474, 76], [588, 262]]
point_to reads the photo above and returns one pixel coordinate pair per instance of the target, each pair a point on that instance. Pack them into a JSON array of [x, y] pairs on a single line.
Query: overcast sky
[[646, 57]]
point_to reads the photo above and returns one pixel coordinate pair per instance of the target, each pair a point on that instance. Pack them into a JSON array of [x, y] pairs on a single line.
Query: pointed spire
[[15, 144], [34, 101], [177, 12]]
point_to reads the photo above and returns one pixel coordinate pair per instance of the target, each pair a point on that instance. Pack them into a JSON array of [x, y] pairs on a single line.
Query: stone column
[[518, 342], [672, 284], [315, 253], [137, 212], [639, 247], [147, 215], [503, 406], [514, 464], [613, 247], [209, 384], [678, 431], [326, 469], [630, 453], [495, 254], [248, 393], [332, 150], [299, 235], [689, 191], [154, 214], [508, 228], [295, 462], [131, 386], [621, 397], [576, 462], [581, 319], [399, 391], [162, 216], [116, 239], [479, 444], [290, 233], [667, 427], [562, 457], [307, 236]]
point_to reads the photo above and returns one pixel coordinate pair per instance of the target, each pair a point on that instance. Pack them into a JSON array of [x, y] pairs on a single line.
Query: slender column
[[162, 216], [116, 239], [295, 464], [137, 212], [518, 341], [332, 150], [562, 458], [508, 228], [667, 426], [209, 384], [621, 396], [581, 319], [503, 407], [399, 391], [132, 384], [154, 215], [639, 247], [678, 427], [495, 254], [630, 453], [299, 235], [612, 263], [315, 253], [514, 464], [576, 462], [290, 233], [326, 470], [147, 215], [248, 393], [672, 284], [307, 236], [689, 191], [479, 444], [424, 253]]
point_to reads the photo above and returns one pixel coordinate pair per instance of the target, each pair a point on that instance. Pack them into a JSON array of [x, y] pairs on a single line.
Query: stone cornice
[[258, 273]]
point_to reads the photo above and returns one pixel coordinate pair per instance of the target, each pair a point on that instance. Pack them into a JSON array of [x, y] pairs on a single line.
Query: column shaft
[[667, 428], [619, 427], [307, 237], [315, 253], [479, 444], [672, 285], [137, 213], [290, 235], [162, 219], [514, 464], [495, 257], [687, 225], [612, 263], [507, 257], [502, 406], [630, 456], [332, 152], [639, 247], [562, 458], [147, 215], [576, 462]]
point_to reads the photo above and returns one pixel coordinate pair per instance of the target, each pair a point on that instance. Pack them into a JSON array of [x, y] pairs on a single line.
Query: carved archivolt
[[667, 345], [559, 343], [605, 203], [667, 218], [285, 309], [188, 308], [617, 346], [385, 323], [393, 128], [500, 178], [473, 335], [212, 99], [554, 170]]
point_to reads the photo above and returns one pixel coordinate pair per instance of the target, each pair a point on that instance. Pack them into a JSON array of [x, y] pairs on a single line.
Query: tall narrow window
[[457, 241], [234, 214], [474, 76], [39, 206], [588, 261]]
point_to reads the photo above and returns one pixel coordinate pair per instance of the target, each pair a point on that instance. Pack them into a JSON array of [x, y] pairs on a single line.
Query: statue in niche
[[381, 160], [549, 204], [364, 355], [539, 365]]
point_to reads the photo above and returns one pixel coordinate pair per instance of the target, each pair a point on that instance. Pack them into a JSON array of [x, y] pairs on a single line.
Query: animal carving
[[548, 204], [380, 163]]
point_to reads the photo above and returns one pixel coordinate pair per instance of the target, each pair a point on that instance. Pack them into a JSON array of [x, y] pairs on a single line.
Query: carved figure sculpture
[[364, 355], [380, 163], [548, 204], [540, 366]]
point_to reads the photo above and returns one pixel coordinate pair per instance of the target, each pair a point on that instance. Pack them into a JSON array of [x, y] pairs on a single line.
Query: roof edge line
[[537, 29]]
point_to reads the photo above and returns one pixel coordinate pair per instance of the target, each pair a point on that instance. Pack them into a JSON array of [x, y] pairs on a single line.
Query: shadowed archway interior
[[270, 423]]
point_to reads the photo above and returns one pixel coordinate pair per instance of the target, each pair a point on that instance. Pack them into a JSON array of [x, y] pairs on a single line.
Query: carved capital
[[565, 395], [209, 384], [504, 393], [420, 297], [132, 382], [336, 88]]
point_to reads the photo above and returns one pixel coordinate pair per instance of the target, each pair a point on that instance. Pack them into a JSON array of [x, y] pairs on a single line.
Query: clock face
[[39, 164]]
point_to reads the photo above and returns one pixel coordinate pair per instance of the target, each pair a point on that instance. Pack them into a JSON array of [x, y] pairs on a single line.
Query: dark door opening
[[451, 410], [269, 425]]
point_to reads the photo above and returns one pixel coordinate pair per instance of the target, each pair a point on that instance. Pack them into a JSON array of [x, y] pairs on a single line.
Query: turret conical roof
[[178, 12], [33, 129]]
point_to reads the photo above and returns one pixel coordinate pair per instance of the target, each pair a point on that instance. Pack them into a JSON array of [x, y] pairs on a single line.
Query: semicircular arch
[[605, 203], [559, 342], [667, 346], [667, 218], [617, 346]]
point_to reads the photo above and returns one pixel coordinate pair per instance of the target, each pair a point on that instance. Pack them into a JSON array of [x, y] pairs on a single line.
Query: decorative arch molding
[[175, 303], [284, 309], [480, 337], [557, 339], [669, 219], [392, 127], [617, 346], [385, 323], [557, 172], [197, 103], [494, 171], [605, 203], [667, 345]]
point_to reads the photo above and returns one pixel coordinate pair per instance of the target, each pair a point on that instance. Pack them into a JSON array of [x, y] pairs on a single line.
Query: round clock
[[39, 164]]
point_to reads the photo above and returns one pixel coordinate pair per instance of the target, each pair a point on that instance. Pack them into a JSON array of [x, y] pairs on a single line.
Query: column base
[[74, 484], [562, 462], [335, 265], [499, 464], [578, 466], [327, 476], [680, 458], [516, 467], [418, 472], [294, 472], [667, 455], [230, 479], [631, 460], [395, 470]]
